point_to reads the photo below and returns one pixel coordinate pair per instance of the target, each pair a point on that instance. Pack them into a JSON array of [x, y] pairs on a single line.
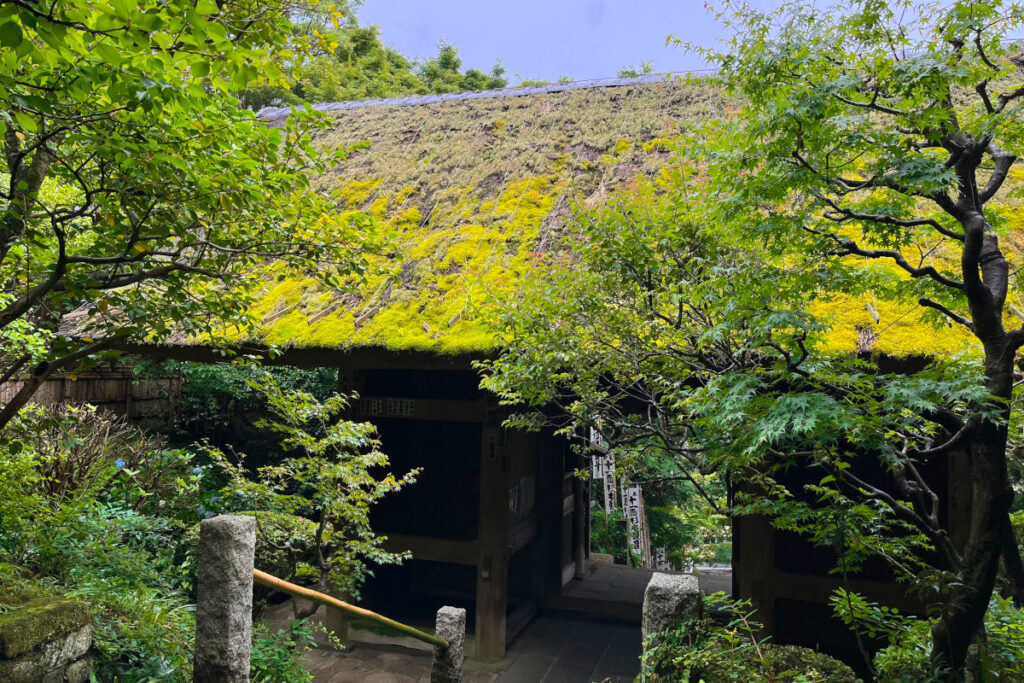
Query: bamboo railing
[[270, 581]]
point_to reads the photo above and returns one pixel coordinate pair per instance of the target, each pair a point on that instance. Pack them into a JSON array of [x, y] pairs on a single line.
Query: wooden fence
[[151, 400]]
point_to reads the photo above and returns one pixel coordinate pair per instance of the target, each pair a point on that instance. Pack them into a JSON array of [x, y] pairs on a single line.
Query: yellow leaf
[[140, 248], [19, 134], [87, 340], [110, 219]]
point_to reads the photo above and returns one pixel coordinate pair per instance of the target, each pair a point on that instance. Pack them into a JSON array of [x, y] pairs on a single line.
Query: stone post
[[451, 625], [227, 547], [669, 599], [337, 622]]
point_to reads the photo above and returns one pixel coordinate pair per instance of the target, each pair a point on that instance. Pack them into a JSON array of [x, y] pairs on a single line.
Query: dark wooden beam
[[434, 549], [306, 357], [441, 410]]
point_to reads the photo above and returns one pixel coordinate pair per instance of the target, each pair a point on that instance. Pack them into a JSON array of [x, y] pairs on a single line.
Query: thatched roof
[[477, 188]]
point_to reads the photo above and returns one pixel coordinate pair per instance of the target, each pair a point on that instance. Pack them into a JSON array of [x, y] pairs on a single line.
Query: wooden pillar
[[579, 521], [754, 567], [492, 567]]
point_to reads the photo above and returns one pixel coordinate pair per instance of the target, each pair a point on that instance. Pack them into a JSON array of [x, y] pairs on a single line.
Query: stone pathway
[[553, 649], [592, 635], [614, 591], [557, 649]]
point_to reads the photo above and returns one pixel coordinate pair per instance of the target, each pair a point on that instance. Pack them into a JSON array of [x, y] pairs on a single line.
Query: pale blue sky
[[547, 39]]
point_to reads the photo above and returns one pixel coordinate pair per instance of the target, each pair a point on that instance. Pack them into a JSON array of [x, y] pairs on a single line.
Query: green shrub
[[608, 534], [275, 532], [334, 473], [92, 509], [1000, 657], [117, 562], [277, 657], [770, 662], [723, 553], [700, 650], [906, 658]]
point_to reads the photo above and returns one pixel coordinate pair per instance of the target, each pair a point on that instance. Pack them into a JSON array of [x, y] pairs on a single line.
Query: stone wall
[[46, 640]]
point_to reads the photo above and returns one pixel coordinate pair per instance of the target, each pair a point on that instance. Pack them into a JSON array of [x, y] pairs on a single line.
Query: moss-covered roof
[[476, 191]]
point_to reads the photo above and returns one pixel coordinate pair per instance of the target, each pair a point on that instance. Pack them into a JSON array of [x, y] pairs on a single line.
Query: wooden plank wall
[[150, 400]]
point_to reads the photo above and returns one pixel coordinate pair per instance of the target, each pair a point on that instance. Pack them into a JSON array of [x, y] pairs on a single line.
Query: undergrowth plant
[[723, 643], [327, 476]]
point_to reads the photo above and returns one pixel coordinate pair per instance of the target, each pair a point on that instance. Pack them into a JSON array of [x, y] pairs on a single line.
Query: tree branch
[[946, 312], [850, 248]]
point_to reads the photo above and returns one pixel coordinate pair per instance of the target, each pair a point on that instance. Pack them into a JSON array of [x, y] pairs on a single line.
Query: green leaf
[[163, 40], [10, 34], [26, 122]]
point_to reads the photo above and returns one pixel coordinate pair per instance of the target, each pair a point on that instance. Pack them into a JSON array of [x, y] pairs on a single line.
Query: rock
[[50, 662], [669, 599], [39, 621], [224, 599], [78, 672], [451, 626]]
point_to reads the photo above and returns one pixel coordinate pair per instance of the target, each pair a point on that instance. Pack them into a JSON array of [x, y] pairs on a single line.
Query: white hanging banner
[[609, 486], [631, 506]]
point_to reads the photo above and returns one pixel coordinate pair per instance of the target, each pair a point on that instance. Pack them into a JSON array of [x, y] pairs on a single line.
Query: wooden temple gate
[[495, 523]]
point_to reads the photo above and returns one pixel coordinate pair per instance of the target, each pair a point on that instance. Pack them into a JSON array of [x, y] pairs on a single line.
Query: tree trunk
[[1013, 566], [965, 604]]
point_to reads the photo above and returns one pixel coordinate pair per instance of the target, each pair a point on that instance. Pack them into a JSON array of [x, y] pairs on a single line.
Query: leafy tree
[[443, 73], [606, 337], [353, 64], [864, 137], [134, 191], [868, 155], [327, 477]]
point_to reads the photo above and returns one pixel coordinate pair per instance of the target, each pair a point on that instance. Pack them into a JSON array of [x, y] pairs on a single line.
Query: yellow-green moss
[[660, 145], [357, 192], [900, 330], [38, 621]]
